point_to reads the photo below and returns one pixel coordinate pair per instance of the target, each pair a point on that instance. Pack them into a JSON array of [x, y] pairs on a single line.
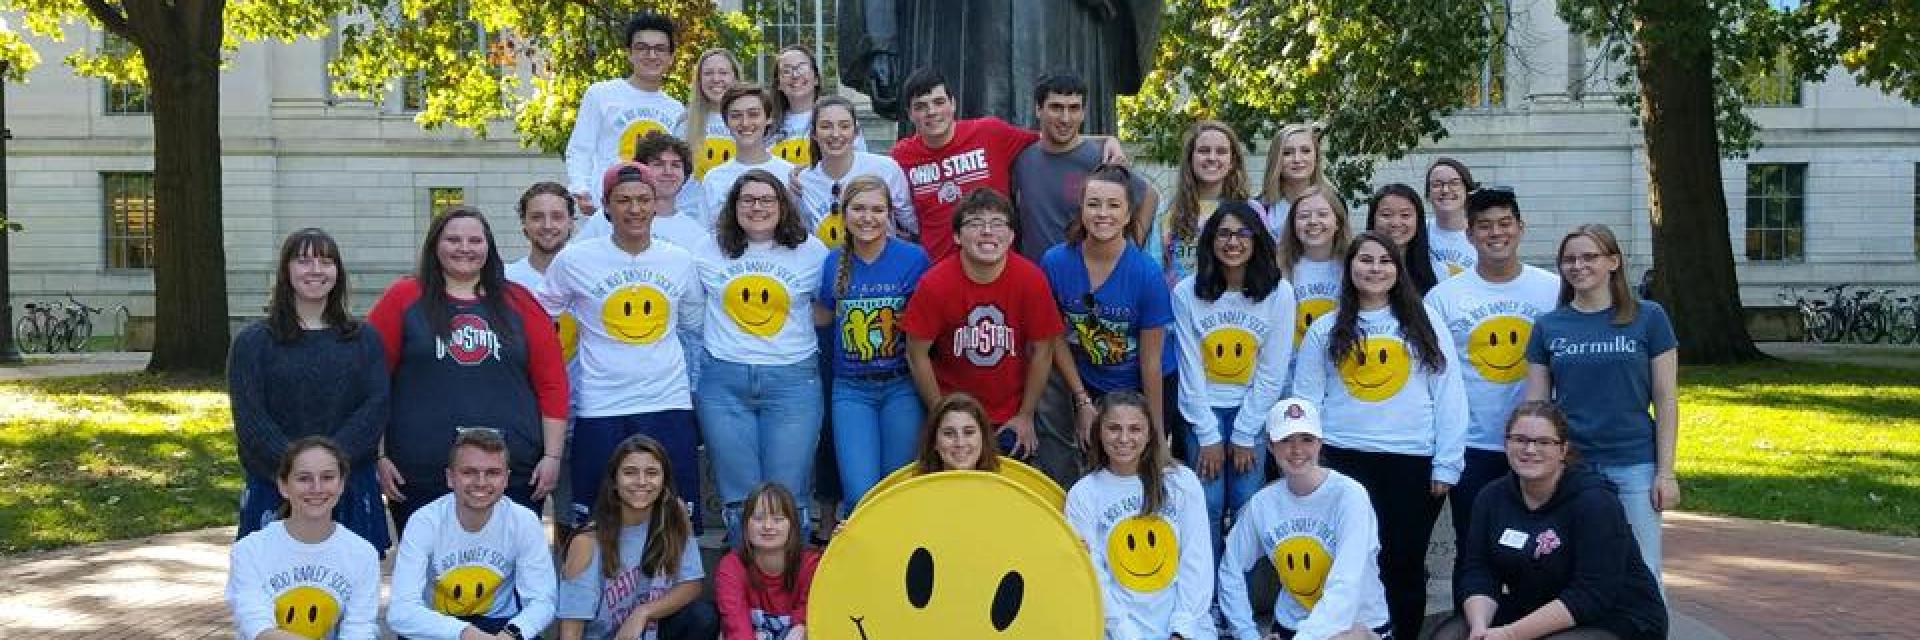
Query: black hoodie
[[1577, 548]]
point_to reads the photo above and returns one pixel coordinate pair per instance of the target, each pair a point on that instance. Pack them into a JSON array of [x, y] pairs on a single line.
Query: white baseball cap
[[1290, 416]]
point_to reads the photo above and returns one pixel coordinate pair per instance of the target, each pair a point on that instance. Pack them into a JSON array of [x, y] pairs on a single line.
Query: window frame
[[437, 205], [120, 245], [1776, 215], [121, 98]]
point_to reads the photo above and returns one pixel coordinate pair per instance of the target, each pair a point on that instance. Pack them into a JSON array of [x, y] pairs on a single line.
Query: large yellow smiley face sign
[[757, 303], [635, 314], [1306, 312], [1497, 347], [466, 590], [924, 560], [1227, 355], [1376, 369], [306, 611], [1302, 563], [1143, 553]]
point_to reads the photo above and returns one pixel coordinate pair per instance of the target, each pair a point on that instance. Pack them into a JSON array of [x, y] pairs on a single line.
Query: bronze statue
[[993, 51]]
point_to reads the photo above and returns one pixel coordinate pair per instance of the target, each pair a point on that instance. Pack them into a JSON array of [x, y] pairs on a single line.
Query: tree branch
[[111, 17]]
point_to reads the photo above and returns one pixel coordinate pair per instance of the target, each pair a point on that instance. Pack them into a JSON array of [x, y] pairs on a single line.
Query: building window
[[128, 208], [808, 23], [122, 98], [1776, 211], [1916, 211], [1775, 87], [439, 199]]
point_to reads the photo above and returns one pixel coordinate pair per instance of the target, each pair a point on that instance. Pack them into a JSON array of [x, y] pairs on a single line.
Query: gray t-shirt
[[605, 603], [1046, 193]]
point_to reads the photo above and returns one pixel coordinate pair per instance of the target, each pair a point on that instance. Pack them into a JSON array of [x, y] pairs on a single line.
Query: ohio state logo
[[949, 192], [1294, 412], [985, 339], [470, 341]]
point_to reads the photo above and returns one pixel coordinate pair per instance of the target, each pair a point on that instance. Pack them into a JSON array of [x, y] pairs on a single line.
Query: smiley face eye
[[1239, 350], [1383, 355], [1130, 544], [746, 295], [765, 295], [626, 309], [1513, 337], [313, 613], [1493, 339], [289, 617], [1007, 599], [1152, 540], [646, 307], [1219, 350], [920, 578]]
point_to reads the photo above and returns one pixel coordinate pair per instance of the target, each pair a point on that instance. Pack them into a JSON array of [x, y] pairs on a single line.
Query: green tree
[[1378, 74], [462, 55], [178, 48]]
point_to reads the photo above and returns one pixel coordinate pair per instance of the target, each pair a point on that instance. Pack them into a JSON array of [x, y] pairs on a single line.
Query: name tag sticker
[[1513, 539]]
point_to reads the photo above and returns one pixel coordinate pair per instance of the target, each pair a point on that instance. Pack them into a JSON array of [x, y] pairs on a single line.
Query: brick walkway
[[1763, 580]]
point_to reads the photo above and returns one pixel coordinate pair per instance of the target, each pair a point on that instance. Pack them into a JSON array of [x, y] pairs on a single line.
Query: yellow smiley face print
[[757, 303], [636, 130], [467, 590], [306, 611], [1227, 355], [832, 229], [635, 314], [1142, 553], [794, 150], [713, 153], [1302, 563], [1306, 312], [569, 331], [1454, 269], [1497, 347], [1377, 368], [924, 560]]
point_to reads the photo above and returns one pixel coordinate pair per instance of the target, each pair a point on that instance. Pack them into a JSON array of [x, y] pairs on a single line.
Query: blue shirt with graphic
[[1603, 377], [867, 338], [1105, 339]]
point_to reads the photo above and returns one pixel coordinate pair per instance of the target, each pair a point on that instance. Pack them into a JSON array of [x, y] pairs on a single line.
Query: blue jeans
[[1228, 490], [1634, 482], [761, 424], [875, 425], [359, 509], [593, 442]]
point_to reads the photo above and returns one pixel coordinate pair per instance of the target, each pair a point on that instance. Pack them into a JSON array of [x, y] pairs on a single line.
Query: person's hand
[[1477, 634], [1439, 489], [584, 200], [545, 475], [1024, 440], [1113, 153], [1242, 458], [1083, 422], [1209, 460], [390, 479], [1666, 492], [474, 633], [1272, 636], [1498, 633], [635, 626]]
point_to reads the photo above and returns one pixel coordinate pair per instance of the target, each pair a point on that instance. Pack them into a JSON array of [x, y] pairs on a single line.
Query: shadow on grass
[[1826, 488], [97, 484], [1871, 393]]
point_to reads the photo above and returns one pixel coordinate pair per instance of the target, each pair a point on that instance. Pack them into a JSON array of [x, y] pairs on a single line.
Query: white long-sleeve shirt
[[1233, 352], [1324, 546], [1489, 324], [631, 310], [327, 590], [1104, 508], [613, 115], [1389, 404], [443, 571]]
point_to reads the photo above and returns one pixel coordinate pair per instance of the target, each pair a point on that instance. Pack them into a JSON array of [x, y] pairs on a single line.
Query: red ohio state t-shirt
[[980, 331], [980, 154]]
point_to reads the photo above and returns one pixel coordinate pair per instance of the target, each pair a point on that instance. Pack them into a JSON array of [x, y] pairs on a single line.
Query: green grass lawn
[[1823, 444], [114, 456]]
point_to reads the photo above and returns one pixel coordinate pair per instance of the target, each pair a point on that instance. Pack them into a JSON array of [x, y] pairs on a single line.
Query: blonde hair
[[698, 108], [1626, 305], [1271, 189], [855, 187]]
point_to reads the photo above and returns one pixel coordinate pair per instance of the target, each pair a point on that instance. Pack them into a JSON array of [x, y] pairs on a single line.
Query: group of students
[[745, 278]]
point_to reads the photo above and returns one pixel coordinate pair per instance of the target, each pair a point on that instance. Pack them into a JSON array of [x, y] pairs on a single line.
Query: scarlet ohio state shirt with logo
[[980, 154], [980, 331], [475, 376]]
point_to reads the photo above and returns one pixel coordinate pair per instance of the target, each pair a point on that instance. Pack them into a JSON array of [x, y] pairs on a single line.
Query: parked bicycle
[[1903, 323], [33, 332], [1814, 318], [76, 329]]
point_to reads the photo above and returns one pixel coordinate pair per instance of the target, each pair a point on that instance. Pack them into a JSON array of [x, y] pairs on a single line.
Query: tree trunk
[[1692, 254], [181, 44]]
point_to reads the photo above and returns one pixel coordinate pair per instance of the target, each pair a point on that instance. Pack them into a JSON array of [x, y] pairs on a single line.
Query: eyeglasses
[[1455, 183], [1582, 258], [652, 49], [796, 70], [1225, 234], [759, 201], [987, 224], [1523, 442]]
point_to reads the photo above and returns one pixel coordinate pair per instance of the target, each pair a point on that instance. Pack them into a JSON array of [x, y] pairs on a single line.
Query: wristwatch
[[514, 632]]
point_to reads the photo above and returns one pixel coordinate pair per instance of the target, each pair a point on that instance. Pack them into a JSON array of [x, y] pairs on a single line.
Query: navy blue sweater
[[316, 384]]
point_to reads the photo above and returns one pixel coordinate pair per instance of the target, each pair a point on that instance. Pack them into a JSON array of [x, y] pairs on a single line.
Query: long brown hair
[[1402, 300], [1291, 249], [1110, 174], [856, 187], [1626, 305], [283, 320], [668, 525], [302, 445], [788, 231], [962, 403], [493, 279], [1154, 458], [813, 124], [784, 505], [1271, 188], [1185, 211]]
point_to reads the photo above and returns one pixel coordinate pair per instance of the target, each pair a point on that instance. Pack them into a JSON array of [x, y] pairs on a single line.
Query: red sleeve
[[1012, 139], [809, 561], [544, 364], [730, 596], [389, 316], [1043, 315], [922, 321]]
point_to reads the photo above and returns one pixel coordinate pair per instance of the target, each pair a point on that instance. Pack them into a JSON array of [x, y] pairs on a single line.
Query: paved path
[[39, 366], [1765, 580], [1872, 355]]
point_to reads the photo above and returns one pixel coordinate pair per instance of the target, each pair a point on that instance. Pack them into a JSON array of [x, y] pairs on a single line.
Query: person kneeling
[[652, 589], [472, 566], [1549, 553]]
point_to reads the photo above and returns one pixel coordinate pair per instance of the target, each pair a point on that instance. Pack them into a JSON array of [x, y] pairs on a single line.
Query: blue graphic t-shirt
[[866, 321], [1603, 377], [1105, 336]]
